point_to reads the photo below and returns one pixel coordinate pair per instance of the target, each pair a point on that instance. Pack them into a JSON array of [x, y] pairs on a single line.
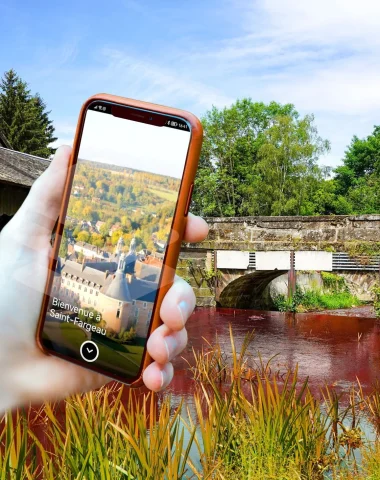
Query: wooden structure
[[18, 171]]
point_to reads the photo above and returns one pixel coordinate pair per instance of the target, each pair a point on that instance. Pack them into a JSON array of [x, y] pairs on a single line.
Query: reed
[[249, 422], [371, 404], [98, 438], [267, 431], [18, 456], [209, 362]]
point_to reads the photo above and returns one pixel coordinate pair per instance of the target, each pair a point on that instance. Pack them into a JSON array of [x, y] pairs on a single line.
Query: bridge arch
[[249, 291]]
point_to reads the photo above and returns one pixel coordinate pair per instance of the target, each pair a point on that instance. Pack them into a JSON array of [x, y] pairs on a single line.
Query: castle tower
[[118, 249], [118, 288], [130, 259]]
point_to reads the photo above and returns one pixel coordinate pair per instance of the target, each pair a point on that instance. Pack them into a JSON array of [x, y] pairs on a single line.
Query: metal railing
[[252, 260], [342, 261]]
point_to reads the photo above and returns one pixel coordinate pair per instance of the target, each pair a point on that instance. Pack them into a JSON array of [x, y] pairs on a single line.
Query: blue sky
[[322, 56]]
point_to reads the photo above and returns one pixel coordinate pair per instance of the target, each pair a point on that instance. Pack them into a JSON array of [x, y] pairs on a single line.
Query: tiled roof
[[20, 168], [138, 289], [143, 290], [102, 266], [118, 288], [87, 273]]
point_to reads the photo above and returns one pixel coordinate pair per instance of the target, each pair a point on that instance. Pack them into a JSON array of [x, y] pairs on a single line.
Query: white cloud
[[323, 56]]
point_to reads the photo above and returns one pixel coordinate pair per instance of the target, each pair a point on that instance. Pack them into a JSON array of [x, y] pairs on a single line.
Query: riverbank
[[334, 295]]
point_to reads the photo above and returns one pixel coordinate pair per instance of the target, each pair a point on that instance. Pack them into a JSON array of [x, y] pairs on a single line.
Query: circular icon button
[[89, 351]]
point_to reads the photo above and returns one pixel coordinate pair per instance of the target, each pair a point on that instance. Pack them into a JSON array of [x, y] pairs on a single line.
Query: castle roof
[[118, 288], [83, 271], [102, 266], [143, 290], [115, 286]]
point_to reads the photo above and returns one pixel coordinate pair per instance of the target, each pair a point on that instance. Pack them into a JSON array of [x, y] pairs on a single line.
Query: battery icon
[[174, 124]]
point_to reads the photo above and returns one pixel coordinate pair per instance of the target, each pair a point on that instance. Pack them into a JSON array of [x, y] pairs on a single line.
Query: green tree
[[76, 231], [287, 172], [362, 159], [115, 236], [97, 240], [358, 179], [234, 162], [83, 236], [64, 244], [104, 229], [23, 117], [46, 127]]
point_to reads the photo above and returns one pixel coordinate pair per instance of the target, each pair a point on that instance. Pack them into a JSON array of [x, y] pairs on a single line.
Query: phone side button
[[189, 199]]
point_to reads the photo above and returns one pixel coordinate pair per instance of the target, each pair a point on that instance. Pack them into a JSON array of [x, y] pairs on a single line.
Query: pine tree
[[23, 118], [47, 127]]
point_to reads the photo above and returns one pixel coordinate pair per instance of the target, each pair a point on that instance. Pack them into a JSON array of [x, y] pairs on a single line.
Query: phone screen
[[118, 221]]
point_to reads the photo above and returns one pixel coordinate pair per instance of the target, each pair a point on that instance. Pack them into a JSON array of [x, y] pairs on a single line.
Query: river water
[[331, 347]]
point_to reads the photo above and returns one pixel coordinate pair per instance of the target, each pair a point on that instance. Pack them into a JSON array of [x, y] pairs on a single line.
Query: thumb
[[39, 212]]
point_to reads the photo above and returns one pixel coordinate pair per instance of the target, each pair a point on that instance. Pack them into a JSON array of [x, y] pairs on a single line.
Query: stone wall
[[290, 233], [195, 267]]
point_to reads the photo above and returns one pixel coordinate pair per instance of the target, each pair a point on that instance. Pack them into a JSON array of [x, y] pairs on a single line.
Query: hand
[[27, 374]]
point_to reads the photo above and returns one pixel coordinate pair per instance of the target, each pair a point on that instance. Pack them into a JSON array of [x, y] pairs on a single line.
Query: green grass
[[316, 299], [165, 194]]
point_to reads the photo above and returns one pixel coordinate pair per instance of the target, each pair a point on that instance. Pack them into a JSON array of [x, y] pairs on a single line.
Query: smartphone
[[119, 233]]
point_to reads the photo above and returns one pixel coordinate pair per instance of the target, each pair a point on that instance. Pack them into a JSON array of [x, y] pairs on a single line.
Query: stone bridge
[[242, 258]]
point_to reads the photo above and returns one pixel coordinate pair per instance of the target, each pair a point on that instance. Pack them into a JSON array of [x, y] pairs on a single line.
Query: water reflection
[[332, 348]]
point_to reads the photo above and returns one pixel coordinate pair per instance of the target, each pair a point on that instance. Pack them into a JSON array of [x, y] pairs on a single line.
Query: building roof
[[143, 290], [20, 168], [4, 142], [82, 271], [102, 266], [114, 286], [118, 288], [93, 248]]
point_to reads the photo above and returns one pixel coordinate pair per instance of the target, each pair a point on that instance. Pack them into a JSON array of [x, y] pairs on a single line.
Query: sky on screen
[[121, 142], [324, 57]]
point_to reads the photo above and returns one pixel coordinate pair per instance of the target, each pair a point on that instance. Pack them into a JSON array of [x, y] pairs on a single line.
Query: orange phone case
[[178, 225]]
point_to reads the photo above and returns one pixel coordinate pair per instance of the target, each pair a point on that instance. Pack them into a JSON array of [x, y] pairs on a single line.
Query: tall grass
[[249, 423], [99, 438]]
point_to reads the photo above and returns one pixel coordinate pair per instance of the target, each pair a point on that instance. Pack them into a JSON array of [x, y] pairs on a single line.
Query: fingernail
[[183, 308], [171, 345]]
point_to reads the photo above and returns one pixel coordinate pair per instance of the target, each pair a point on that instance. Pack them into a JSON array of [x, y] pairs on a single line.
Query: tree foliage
[[358, 179], [264, 159], [24, 119], [257, 159]]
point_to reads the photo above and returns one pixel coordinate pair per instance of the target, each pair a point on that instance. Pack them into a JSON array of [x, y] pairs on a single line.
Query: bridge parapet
[[290, 233]]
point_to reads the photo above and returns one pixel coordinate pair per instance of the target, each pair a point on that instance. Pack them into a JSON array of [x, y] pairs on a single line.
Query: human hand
[[26, 373]]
